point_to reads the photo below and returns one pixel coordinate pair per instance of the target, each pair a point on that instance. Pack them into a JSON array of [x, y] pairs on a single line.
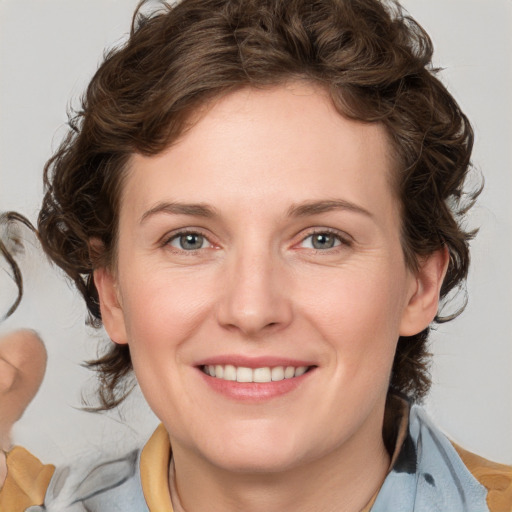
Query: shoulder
[[467, 471], [430, 473], [496, 478]]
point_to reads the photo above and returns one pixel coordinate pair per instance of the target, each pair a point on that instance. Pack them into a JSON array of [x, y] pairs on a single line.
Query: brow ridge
[[302, 209], [316, 207], [176, 208]]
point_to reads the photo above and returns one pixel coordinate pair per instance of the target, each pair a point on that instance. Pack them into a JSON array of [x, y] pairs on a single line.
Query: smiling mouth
[[258, 375]]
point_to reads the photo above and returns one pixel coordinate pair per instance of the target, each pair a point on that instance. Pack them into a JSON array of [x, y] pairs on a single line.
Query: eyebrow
[[194, 209], [316, 207], [299, 210]]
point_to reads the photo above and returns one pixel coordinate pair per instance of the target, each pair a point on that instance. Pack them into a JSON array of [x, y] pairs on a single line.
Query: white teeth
[[219, 371], [301, 370], [243, 374], [277, 373], [229, 372], [289, 372], [263, 374]]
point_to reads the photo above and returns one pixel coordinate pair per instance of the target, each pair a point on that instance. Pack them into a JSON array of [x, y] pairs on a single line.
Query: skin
[[22, 368], [257, 288]]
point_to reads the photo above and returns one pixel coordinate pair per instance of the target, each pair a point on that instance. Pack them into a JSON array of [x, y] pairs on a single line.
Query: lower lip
[[254, 391]]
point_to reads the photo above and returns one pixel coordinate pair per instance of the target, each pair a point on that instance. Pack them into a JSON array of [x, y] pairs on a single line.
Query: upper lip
[[254, 362]]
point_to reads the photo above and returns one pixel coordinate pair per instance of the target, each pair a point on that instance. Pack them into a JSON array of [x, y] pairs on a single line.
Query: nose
[[254, 300]]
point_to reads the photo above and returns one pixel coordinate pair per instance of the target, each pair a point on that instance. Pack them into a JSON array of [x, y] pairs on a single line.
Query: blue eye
[[189, 241], [321, 241]]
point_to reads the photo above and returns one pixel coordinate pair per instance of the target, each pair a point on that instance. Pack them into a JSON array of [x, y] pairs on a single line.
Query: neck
[[344, 480]]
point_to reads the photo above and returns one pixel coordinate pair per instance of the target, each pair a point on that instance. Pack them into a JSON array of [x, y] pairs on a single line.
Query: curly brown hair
[[369, 55]]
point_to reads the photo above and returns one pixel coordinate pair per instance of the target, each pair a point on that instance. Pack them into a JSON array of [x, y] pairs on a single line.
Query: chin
[[258, 451], [258, 460]]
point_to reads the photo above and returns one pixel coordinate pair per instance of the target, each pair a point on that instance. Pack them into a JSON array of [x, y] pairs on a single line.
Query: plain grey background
[[48, 51]]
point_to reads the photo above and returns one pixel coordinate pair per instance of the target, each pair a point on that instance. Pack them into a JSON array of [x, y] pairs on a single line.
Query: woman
[[262, 203]]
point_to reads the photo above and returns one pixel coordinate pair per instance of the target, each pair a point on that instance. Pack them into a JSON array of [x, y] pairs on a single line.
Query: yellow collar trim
[[154, 471]]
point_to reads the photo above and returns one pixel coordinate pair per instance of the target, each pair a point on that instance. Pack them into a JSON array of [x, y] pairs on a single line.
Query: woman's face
[[265, 243]]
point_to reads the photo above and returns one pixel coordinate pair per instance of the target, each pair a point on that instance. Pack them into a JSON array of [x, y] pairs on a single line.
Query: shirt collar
[[154, 471], [157, 469]]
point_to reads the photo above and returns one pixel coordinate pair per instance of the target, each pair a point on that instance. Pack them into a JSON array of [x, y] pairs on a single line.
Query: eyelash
[[344, 241]]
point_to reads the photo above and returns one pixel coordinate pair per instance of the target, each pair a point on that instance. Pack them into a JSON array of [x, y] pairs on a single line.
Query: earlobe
[[112, 314], [423, 303]]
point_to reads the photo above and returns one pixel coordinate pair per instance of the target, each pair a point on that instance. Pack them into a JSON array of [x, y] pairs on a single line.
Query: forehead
[[274, 146]]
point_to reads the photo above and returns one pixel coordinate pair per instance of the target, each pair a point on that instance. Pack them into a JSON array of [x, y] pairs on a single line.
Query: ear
[[423, 302], [112, 314]]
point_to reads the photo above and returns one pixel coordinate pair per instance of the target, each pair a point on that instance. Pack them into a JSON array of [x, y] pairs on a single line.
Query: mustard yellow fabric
[[26, 482], [154, 471], [496, 478]]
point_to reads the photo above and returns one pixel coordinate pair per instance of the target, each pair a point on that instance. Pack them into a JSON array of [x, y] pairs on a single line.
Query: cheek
[[163, 309], [357, 313], [162, 315], [377, 297]]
